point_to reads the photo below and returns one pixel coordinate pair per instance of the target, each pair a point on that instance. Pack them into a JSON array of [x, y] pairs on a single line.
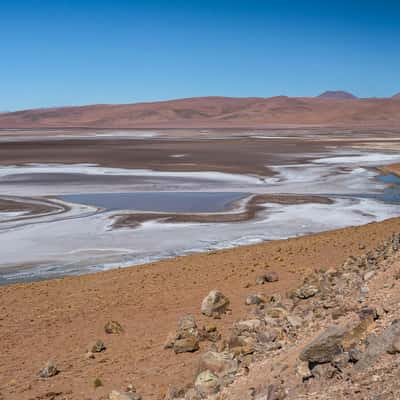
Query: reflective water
[[178, 202]]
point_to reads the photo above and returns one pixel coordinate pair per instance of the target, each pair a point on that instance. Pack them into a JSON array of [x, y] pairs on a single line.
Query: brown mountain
[[213, 112], [337, 95]]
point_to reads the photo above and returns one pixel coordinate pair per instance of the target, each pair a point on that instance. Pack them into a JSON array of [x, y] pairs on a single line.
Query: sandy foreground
[[59, 319]]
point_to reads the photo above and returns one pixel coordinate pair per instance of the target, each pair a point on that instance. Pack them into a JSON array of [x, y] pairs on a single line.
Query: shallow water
[[171, 202], [390, 194]]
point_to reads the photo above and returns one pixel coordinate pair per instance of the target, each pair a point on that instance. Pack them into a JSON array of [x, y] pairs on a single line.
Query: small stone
[[207, 383], [255, 299], [303, 371], [294, 321], [98, 347], [369, 275], [395, 346], [187, 323], [49, 370], [220, 364], [192, 394], [324, 371], [271, 277], [260, 280], [175, 393], [113, 327], [214, 304], [116, 395], [306, 291], [276, 312], [186, 345]]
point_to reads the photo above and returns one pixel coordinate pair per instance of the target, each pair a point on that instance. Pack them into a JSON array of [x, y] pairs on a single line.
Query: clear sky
[[55, 52]]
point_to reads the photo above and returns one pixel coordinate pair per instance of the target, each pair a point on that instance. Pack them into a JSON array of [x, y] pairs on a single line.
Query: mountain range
[[331, 108]]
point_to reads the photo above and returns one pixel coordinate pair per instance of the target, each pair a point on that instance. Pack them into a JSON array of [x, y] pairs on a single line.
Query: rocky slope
[[213, 112], [336, 336]]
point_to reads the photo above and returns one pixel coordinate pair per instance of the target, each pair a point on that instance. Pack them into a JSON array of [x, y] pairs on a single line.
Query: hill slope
[[213, 112]]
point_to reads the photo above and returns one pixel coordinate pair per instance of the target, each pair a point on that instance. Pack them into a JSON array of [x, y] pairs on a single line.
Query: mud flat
[[261, 188]]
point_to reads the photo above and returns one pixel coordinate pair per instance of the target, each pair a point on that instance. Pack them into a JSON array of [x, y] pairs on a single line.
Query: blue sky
[[84, 52]]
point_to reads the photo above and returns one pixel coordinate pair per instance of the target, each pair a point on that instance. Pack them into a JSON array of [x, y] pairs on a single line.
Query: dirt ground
[[58, 319]]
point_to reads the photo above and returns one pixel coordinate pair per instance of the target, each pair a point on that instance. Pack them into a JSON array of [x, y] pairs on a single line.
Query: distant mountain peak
[[396, 96], [337, 95]]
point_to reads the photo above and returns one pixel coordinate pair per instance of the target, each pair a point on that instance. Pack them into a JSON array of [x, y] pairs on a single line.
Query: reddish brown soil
[[207, 112], [58, 319]]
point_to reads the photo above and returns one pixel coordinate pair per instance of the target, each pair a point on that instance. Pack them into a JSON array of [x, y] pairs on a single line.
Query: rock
[[187, 323], [207, 383], [175, 393], [250, 325], [324, 371], [272, 392], [255, 299], [276, 312], [354, 355], [113, 327], [306, 291], [303, 370], [395, 346], [192, 394], [325, 347], [49, 370], [294, 321], [271, 277], [186, 338], [214, 304], [341, 361], [368, 313], [260, 280], [220, 364], [358, 333], [369, 275], [98, 347], [116, 395], [186, 345], [377, 345], [209, 332]]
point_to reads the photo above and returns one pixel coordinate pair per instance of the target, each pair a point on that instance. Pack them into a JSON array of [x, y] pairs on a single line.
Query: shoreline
[[149, 298]]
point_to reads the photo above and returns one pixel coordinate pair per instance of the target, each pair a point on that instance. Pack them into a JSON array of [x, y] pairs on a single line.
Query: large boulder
[[325, 347], [214, 304]]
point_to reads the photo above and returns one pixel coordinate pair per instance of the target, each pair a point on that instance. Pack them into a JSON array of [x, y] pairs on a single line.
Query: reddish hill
[[213, 112]]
